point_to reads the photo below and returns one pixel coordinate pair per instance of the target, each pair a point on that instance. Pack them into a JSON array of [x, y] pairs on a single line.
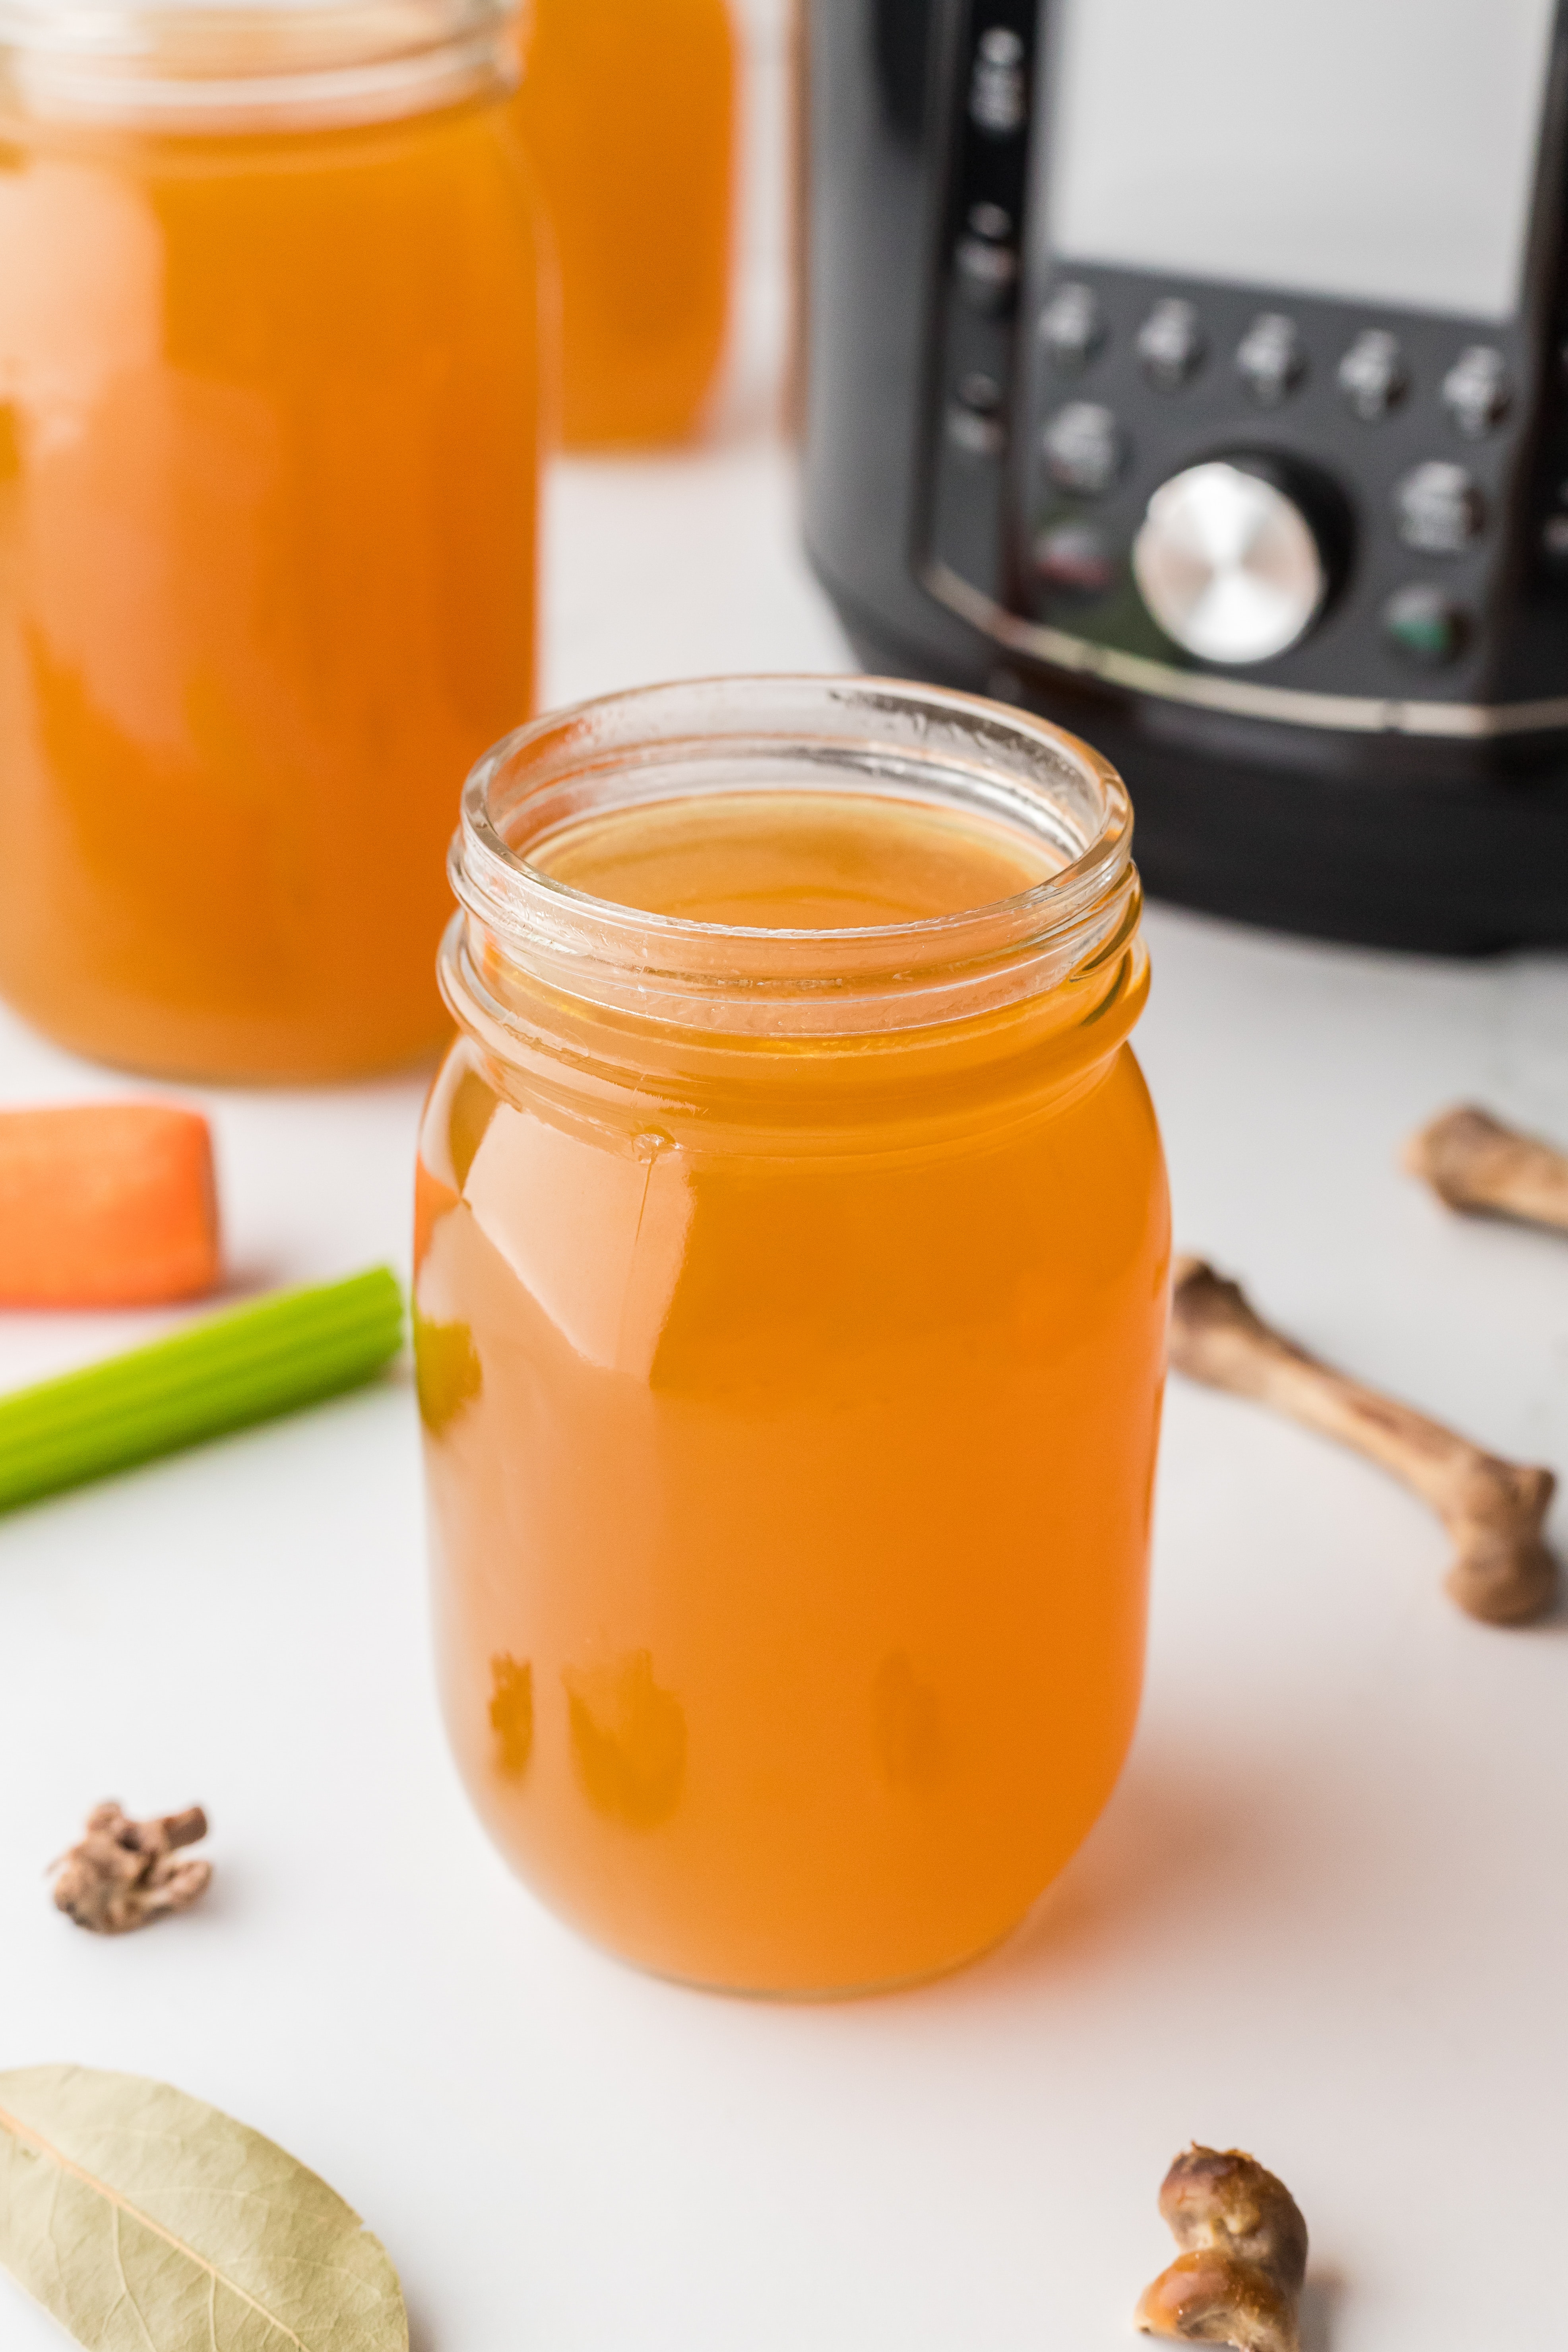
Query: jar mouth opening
[[197, 65], [956, 752]]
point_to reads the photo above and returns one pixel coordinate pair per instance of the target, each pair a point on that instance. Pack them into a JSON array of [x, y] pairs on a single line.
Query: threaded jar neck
[[525, 934], [205, 66]]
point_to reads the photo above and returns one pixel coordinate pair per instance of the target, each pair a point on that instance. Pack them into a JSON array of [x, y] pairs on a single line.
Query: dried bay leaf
[[145, 2221]]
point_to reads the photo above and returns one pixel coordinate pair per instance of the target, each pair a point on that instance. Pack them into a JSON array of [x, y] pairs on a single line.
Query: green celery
[[222, 1373]]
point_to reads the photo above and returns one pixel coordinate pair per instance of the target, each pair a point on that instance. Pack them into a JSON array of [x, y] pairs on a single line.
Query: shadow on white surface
[[1319, 2301], [1179, 1840]]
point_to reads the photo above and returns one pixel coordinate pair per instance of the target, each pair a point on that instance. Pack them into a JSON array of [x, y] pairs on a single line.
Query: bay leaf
[[146, 2221]]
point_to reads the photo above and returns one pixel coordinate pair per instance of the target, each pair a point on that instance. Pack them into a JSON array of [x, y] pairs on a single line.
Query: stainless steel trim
[[1363, 714]]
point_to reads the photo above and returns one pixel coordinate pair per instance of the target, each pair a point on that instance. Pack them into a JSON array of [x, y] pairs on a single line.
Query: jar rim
[[787, 732], [197, 64]]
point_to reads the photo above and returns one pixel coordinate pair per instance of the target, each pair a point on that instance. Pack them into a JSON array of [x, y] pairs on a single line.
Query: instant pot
[[1195, 372]]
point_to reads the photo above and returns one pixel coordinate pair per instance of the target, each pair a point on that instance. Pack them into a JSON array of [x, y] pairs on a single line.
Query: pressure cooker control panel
[[1298, 490]]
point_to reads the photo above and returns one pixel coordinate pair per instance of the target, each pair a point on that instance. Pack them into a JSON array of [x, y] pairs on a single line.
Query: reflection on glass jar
[[267, 496], [801, 1211]]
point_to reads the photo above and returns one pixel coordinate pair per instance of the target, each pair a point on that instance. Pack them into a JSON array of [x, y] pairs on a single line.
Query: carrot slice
[[106, 1204]]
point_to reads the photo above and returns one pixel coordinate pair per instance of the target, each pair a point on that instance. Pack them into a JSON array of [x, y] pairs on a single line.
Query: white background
[[1325, 1917]]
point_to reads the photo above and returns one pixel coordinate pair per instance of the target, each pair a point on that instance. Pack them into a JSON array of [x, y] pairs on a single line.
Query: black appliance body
[[1211, 398]]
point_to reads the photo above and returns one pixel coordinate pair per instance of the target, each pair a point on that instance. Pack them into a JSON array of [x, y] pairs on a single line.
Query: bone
[[1493, 1509], [1238, 2277], [1473, 1163]]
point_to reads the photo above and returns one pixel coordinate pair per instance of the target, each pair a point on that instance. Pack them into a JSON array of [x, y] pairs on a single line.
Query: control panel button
[[998, 99], [992, 221], [1170, 345], [1425, 626], [976, 426], [1072, 327], [1269, 358], [1439, 508], [1478, 391], [1228, 565], [1085, 448], [985, 258], [1074, 560], [1373, 375]]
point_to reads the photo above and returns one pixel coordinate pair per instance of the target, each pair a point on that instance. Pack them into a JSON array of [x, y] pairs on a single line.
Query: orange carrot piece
[[106, 1204]]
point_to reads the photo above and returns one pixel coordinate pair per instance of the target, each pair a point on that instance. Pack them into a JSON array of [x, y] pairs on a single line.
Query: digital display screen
[[1384, 150]]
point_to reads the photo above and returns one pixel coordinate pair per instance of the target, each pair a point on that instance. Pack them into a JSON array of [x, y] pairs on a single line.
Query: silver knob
[[1228, 565]]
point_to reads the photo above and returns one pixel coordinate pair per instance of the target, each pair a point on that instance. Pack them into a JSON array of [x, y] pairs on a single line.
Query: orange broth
[[267, 586], [791, 1419], [628, 112]]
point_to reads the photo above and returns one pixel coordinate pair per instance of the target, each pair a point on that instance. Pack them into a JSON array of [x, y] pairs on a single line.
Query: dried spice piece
[[125, 1872], [1493, 1509], [1473, 1161], [1237, 2279], [140, 2218]]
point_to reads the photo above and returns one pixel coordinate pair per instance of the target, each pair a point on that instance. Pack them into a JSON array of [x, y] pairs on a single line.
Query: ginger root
[[1493, 1509], [1472, 1162], [125, 1872], [1237, 2279]]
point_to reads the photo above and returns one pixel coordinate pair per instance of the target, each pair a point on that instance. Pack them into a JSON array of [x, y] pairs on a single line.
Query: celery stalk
[[287, 1351]]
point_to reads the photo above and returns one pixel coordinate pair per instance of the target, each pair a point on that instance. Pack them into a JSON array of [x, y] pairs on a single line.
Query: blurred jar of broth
[[629, 111], [268, 460]]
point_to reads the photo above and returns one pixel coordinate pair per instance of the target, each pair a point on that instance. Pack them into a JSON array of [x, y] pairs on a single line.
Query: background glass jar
[[628, 106], [268, 395], [792, 1254]]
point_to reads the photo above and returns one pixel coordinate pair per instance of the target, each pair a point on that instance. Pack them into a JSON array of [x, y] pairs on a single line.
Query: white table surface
[[1325, 1917]]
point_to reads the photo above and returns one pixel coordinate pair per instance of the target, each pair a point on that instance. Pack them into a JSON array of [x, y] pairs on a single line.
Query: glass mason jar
[[792, 1245], [268, 462], [629, 114]]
